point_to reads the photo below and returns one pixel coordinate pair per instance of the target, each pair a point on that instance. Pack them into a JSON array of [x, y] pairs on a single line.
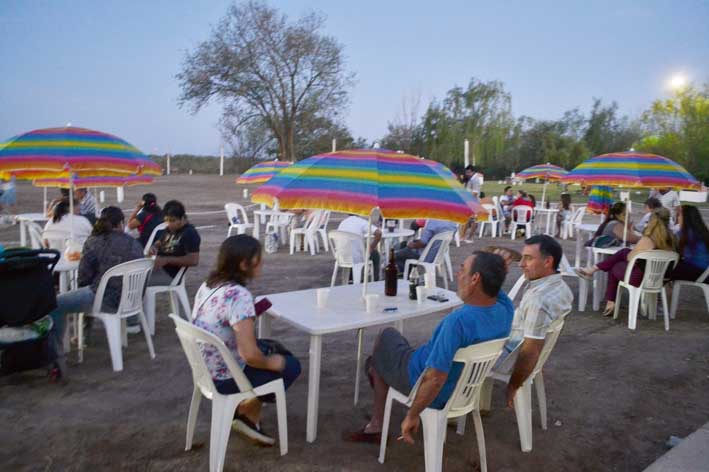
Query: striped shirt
[[88, 205]]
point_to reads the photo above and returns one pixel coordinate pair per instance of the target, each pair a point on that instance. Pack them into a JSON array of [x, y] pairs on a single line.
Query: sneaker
[[133, 329], [250, 431]]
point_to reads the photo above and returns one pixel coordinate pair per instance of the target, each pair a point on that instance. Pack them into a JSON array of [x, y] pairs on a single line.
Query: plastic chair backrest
[[550, 338], [56, 239], [35, 232], [656, 264], [236, 212], [191, 337], [491, 217], [522, 213], [478, 360], [445, 239], [135, 276], [324, 219], [577, 219], [151, 239], [703, 277], [343, 244]]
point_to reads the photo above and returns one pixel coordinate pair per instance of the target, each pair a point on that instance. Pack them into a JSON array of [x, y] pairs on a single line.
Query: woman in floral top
[[224, 307]]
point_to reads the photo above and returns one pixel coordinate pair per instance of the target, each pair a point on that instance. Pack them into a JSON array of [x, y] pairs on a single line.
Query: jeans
[[405, 253], [159, 277], [76, 301], [259, 377]]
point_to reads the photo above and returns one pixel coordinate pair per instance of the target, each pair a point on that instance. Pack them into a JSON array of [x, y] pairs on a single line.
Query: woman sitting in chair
[[225, 307], [693, 244], [62, 221], [657, 235], [610, 232]]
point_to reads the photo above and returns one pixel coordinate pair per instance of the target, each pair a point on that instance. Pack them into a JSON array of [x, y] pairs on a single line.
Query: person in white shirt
[[359, 226], [669, 198], [62, 221]]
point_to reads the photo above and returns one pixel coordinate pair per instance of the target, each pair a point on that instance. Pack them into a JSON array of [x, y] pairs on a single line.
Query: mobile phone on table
[[262, 305]]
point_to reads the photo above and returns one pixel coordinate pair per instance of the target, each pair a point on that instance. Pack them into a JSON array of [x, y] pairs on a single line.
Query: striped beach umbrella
[[67, 151], [600, 199], [94, 182], [634, 170], [262, 172], [548, 172], [357, 181]]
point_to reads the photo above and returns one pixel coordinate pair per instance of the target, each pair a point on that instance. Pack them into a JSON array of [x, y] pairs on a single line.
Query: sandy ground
[[614, 395]]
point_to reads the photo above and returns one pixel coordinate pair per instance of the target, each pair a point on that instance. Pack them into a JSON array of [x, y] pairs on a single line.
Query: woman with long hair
[[693, 244], [657, 235], [225, 307], [62, 221], [145, 217], [614, 225]]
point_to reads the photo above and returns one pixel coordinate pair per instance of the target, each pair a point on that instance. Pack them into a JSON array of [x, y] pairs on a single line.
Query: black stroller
[[28, 296]]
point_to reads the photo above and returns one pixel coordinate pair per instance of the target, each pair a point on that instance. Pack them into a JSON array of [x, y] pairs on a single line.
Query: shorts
[[391, 359]]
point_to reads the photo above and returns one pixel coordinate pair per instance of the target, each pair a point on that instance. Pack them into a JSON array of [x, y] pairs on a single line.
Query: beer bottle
[[390, 274]]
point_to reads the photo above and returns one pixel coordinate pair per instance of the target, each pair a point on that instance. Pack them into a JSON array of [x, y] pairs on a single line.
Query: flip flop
[[362, 437]]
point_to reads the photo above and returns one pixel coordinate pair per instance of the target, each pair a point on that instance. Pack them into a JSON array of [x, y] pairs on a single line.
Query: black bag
[[26, 285], [271, 346], [26, 355]]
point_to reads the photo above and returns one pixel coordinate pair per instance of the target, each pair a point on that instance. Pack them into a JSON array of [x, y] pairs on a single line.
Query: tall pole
[[168, 163], [466, 153], [334, 144], [221, 161]]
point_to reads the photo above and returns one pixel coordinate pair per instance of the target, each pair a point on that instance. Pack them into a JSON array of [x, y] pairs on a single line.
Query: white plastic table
[[388, 236], [23, 218], [587, 230], [259, 214], [551, 218], [345, 311]]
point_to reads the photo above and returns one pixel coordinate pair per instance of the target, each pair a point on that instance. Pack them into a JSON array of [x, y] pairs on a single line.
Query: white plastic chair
[[568, 226], [492, 219], [343, 244], [35, 232], [322, 229], [56, 239], [151, 239], [307, 234], [477, 361], [177, 291], [678, 284], [521, 216], [238, 219], [223, 406], [134, 275], [656, 265], [441, 261], [523, 397], [279, 223]]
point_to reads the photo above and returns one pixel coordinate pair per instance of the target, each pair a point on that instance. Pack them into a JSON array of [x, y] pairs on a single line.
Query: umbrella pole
[[544, 191], [625, 223], [71, 207], [44, 200], [367, 243]]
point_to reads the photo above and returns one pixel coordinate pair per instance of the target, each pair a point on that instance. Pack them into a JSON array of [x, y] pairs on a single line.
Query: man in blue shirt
[[412, 250], [486, 314]]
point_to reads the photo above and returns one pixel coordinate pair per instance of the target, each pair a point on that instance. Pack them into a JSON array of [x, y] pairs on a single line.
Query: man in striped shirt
[[87, 204]]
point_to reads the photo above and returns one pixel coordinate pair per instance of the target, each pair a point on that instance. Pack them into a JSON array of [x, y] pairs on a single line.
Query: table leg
[[256, 226], [313, 388], [23, 233], [579, 243]]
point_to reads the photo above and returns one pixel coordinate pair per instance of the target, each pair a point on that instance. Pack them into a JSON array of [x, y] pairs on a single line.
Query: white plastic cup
[[322, 294], [420, 294], [246, 193], [430, 279], [370, 301]]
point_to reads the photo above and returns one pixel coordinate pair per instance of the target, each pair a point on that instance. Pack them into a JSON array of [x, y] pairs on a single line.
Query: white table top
[[399, 233], [31, 217], [345, 308]]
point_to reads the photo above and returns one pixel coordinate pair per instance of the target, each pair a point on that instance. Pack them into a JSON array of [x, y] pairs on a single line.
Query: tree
[[405, 132], [268, 71], [678, 128], [606, 132]]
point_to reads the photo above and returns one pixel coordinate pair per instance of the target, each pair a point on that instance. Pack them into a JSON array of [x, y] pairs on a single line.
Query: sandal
[[362, 437], [609, 310]]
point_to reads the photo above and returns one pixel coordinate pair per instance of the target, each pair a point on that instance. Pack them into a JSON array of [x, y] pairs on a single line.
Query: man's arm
[[189, 260], [431, 383], [526, 361], [416, 244], [375, 240]]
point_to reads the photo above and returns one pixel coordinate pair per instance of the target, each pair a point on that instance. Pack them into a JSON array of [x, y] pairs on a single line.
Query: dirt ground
[[614, 395]]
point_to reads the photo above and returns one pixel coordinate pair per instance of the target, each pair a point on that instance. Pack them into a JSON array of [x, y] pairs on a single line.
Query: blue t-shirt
[[695, 252], [465, 326]]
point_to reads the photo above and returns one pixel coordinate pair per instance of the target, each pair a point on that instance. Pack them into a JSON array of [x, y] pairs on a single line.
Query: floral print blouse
[[217, 310]]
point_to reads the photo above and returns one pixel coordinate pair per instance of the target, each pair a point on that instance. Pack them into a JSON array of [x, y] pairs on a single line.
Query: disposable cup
[[322, 294], [420, 294], [430, 279], [370, 301]]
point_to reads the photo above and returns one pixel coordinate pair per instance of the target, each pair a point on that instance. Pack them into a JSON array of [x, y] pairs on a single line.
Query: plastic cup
[[370, 301], [322, 294], [420, 294], [430, 279]]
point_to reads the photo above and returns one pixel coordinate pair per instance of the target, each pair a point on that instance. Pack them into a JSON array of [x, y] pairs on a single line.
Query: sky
[[111, 65]]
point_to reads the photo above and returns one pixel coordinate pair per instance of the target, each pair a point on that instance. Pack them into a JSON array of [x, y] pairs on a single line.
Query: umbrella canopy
[[632, 169], [548, 172], [600, 199], [94, 182], [262, 172], [61, 152], [357, 181]]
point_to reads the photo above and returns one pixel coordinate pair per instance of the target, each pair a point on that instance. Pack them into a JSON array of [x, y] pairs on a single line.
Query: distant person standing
[[177, 245], [146, 216], [475, 182], [8, 196], [88, 206], [359, 226]]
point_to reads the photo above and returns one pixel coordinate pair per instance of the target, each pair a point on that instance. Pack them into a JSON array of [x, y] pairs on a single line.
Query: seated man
[[359, 226], [88, 207], [546, 299], [177, 246], [412, 250], [486, 314]]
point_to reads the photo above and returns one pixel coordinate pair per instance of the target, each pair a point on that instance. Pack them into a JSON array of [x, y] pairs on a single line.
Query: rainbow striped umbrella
[[357, 181], [632, 169], [548, 172], [62, 152], [262, 172], [94, 182], [600, 199]]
